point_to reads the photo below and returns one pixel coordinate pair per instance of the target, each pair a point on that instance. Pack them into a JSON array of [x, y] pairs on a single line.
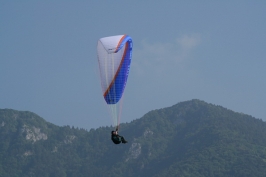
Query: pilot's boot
[[123, 140]]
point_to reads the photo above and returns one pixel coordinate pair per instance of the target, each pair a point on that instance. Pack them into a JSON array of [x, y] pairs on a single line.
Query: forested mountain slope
[[191, 138]]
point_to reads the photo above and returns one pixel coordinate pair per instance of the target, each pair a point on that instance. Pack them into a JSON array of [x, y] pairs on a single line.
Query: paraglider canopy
[[114, 58]]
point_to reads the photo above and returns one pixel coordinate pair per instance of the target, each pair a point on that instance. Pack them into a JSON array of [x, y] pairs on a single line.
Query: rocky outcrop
[[33, 133]]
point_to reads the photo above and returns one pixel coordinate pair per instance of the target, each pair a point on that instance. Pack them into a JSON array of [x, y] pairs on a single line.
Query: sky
[[182, 50]]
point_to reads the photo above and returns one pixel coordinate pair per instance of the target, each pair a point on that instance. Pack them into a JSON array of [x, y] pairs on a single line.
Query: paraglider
[[117, 139], [114, 58]]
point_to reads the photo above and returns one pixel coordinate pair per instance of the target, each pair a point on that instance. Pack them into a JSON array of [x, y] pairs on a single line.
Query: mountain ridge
[[191, 138]]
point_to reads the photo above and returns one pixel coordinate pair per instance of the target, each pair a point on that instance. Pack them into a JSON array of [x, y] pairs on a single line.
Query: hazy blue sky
[[208, 50]]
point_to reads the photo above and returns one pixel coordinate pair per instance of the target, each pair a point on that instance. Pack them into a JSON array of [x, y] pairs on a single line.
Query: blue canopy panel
[[116, 88]]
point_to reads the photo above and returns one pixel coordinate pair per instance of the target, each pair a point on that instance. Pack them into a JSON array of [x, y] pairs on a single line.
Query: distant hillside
[[191, 138]]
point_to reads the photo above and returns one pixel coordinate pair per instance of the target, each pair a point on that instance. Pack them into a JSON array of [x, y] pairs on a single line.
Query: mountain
[[191, 138]]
